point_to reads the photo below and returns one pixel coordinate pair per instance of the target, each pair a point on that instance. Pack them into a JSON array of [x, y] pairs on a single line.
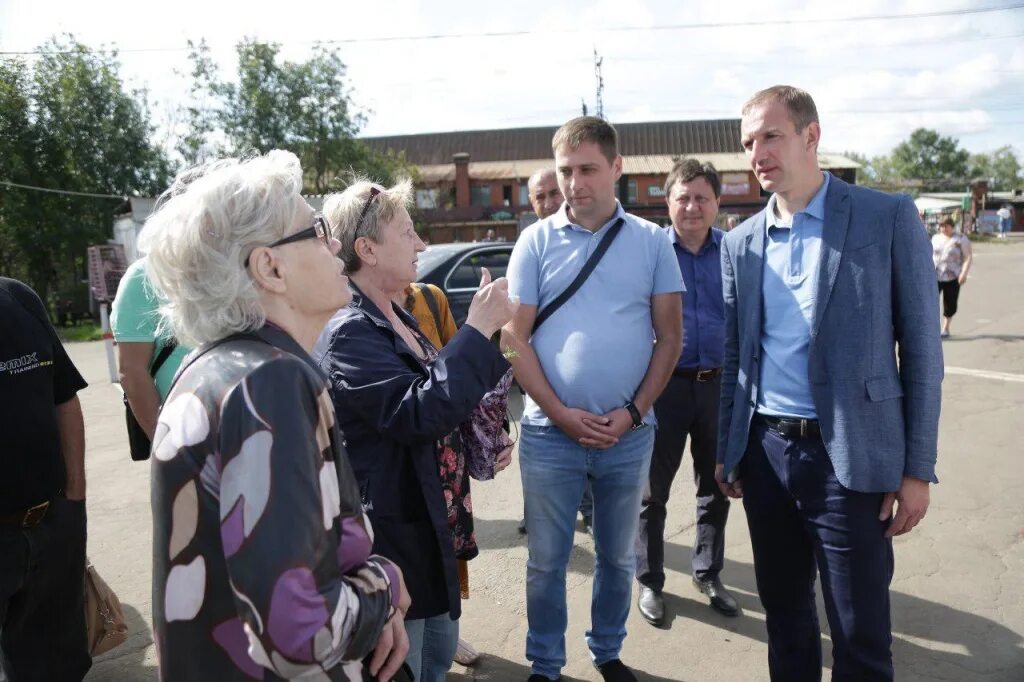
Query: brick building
[[470, 181]]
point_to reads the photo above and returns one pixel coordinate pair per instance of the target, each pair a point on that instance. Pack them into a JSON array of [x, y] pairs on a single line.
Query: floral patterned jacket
[[261, 551]]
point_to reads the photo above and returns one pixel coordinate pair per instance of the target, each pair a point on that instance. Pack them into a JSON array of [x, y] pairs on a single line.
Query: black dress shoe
[[522, 527], [588, 525], [537, 677], [615, 671], [721, 600], [651, 605]]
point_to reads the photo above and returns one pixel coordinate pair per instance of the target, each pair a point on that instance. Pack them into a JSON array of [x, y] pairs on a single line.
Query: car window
[[466, 274], [431, 258]]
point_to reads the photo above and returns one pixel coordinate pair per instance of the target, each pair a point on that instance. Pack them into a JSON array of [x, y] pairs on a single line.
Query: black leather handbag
[[138, 441]]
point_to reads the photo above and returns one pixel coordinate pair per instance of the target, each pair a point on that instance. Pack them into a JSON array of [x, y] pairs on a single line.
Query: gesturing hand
[[491, 307], [911, 506]]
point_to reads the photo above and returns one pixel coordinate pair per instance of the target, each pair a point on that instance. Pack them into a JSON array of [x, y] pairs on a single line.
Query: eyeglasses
[[319, 230], [374, 191]]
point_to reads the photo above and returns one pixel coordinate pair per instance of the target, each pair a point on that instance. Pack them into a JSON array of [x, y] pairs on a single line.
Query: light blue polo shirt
[[792, 253], [596, 348]]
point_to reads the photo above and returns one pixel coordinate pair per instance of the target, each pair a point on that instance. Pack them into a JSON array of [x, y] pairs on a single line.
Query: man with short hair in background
[[591, 373], [688, 407]]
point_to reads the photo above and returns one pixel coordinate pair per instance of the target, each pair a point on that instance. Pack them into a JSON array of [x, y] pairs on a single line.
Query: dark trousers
[[802, 520], [686, 408], [950, 295], [42, 609]]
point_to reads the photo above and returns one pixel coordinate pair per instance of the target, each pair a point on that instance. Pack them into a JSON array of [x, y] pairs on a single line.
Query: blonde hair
[[203, 230], [343, 210]]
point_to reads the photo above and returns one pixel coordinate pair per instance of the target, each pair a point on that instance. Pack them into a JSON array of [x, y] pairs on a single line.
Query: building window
[[655, 191], [524, 195], [506, 195], [631, 192], [480, 195], [426, 198]]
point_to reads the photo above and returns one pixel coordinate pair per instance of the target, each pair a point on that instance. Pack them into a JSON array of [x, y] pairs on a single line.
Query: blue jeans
[[432, 645], [555, 471]]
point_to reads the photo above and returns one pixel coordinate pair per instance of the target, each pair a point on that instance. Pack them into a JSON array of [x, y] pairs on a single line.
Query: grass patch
[[88, 331]]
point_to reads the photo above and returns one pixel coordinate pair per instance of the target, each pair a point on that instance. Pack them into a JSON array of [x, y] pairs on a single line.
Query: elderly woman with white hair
[[261, 550], [398, 400]]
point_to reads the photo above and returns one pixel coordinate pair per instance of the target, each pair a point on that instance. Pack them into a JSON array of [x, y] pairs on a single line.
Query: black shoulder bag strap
[[162, 356], [588, 268], [428, 296]]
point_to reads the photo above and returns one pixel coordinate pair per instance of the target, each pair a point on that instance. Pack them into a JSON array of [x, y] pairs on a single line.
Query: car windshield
[[430, 258]]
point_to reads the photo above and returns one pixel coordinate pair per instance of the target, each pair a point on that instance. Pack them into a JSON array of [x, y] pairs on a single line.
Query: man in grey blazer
[[821, 431]]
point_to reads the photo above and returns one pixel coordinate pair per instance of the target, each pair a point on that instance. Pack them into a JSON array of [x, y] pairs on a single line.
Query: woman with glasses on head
[[261, 550], [399, 399]]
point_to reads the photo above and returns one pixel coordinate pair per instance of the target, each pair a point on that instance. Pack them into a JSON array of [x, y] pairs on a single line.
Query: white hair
[[343, 209], [198, 239]]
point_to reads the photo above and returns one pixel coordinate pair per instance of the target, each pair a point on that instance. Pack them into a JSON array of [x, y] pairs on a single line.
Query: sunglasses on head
[[374, 191], [319, 230]]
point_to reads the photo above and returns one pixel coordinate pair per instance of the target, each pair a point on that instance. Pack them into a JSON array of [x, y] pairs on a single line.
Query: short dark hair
[[799, 103], [947, 221], [588, 129], [687, 169]]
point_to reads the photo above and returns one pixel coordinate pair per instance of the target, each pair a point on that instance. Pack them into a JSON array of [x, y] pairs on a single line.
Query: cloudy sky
[[421, 66]]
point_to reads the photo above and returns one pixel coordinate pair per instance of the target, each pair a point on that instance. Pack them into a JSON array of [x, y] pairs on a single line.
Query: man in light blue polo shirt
[[592, 372]]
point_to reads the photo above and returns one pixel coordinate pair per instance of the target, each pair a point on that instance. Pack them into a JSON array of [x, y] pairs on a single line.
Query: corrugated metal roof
[[514, 144], [644, 164]]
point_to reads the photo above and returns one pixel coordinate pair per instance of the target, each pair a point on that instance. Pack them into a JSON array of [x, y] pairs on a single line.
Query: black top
[[36, 374]]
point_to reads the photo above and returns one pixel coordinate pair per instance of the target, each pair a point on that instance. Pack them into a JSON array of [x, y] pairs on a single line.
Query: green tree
[[937, 161], [1001, 165], [305, 107], [74, 127]]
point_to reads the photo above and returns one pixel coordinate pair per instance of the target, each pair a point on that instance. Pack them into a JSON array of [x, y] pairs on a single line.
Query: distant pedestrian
[[951, 253], [42, 497], [1005, 215]]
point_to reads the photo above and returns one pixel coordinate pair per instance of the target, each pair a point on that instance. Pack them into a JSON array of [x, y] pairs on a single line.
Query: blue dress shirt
[[791, 256], [703, 305]]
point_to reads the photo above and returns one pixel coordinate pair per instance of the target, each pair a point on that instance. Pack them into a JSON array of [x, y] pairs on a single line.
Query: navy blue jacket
[[879, 417], [393, 409]]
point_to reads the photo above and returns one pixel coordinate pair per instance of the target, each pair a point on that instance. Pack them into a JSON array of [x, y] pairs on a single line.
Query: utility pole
[[584, 103], [599, 100]]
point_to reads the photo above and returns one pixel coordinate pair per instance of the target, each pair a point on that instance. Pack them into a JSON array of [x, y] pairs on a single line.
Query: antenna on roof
[[600, 84]]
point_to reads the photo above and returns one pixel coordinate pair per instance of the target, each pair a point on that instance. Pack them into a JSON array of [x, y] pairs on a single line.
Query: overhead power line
[[95, 195], [611, 29]]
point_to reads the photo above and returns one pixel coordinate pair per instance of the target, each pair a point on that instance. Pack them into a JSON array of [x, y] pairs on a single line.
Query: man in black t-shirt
[[42, 497]]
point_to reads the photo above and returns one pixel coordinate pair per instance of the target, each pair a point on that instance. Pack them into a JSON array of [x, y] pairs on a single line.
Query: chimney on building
[[461, 160]]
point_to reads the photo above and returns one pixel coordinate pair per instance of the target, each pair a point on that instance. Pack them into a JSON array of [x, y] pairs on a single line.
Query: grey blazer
[[876, 296]]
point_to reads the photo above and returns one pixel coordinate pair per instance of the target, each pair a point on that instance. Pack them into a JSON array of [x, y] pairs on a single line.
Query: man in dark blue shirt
[[689, 405]]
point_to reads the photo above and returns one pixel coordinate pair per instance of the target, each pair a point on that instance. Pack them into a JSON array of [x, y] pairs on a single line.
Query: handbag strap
[[588, 268], [162, 356], [203, 350], [428, 296]]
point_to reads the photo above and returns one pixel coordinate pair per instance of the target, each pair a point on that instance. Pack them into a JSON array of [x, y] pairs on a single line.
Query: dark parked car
[[455, 268]]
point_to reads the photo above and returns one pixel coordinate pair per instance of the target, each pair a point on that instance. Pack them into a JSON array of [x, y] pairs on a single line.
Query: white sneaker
[[465, 654]]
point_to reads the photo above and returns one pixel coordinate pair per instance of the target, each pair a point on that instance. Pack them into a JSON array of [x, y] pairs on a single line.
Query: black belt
[[700, 375], [28, 518], [791, 427]]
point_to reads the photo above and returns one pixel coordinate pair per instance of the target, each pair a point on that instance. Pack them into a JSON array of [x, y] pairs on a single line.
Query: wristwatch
[[638, 419]]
